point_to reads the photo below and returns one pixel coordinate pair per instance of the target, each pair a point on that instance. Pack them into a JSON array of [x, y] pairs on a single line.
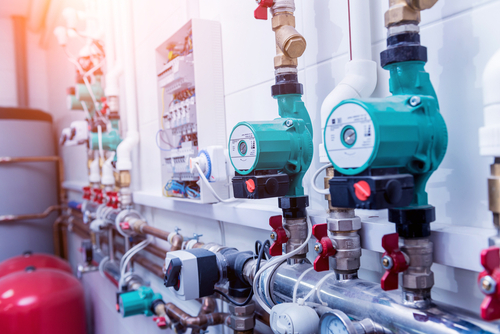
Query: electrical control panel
[[191, 106]]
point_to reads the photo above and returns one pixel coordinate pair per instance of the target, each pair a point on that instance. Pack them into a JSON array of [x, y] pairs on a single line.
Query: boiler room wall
[[460, 38], [37, 69]]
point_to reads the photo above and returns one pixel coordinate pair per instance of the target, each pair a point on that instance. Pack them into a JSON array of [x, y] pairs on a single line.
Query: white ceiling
[[14, 7]]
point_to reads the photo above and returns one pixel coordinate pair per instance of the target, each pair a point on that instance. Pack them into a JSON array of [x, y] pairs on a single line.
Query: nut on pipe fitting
[[123, 180], [402, 11]]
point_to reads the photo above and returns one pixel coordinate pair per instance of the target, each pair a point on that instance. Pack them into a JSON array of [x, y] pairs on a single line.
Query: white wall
[[460, 36], [37, 70]]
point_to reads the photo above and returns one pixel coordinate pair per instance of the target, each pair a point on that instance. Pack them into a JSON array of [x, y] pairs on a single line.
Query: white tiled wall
[[461, 35]]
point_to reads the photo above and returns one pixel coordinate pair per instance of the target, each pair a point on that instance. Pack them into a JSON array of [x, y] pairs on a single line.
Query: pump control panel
[[191, 107]]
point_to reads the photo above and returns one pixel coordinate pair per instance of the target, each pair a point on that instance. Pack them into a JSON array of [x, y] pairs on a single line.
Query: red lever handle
[[87, 193], [324, 247], [98, 197], [276, 222], [393, 261], [261, 12], [113, 199], [160, 322], [489, 281]]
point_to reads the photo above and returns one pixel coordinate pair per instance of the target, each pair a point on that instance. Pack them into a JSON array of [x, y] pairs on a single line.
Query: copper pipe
[[156, 251], [48, 211], [56, 230], [207, 306], [203, 320], [143, 261], [155, 232], [50, 158], [176, 242]]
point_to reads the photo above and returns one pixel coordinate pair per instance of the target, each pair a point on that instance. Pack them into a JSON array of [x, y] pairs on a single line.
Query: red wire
[[349, 19]]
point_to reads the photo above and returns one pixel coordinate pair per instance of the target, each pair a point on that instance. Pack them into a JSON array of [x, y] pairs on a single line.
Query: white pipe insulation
[[113, 65], [361, 72], [124, 150], [489, 134]]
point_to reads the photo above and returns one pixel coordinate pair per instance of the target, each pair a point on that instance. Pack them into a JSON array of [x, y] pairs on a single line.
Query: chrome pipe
[[362, 299]]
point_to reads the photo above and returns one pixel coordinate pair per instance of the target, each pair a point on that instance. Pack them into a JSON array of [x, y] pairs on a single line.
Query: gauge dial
[[336, 322]]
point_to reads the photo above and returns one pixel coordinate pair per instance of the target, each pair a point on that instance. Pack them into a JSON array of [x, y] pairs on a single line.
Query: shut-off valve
[[489, 282]]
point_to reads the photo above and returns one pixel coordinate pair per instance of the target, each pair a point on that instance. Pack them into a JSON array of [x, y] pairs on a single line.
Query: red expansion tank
[[41, 301], [20, 262]]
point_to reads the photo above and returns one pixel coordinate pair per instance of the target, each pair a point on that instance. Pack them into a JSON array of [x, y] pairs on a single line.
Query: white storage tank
[[27, 187]]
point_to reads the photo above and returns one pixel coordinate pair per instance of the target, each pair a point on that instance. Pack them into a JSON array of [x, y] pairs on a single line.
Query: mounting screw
[[289, 122], [415, 101], [273, 236], [387, 262], [488, 285], [318, 248]]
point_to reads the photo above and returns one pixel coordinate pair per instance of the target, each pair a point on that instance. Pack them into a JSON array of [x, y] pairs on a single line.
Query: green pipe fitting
[[73, 103], [284, 144], [405, 130], [138, 302], [83, 94], [110, 140]]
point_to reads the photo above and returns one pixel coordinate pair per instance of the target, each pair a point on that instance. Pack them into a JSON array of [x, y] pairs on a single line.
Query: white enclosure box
[[190, 80]]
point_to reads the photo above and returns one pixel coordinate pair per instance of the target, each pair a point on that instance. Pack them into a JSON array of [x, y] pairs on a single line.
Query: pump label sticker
[[243, 148], [349, 136]]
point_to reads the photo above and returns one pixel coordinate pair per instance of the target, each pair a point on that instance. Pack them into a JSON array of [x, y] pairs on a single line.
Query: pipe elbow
[[360, 81], [123, 159]]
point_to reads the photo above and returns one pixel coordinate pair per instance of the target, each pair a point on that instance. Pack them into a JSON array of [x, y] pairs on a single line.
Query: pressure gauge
[[350, 138], [336, 322]]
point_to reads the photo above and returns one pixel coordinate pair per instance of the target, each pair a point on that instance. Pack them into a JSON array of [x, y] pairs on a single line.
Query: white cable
[[273, 262], [316, 288], [84, 105], [315, 176], [295, 287], [222, 232], [99, 140], [127, 257], [101, 266], [209, 186]]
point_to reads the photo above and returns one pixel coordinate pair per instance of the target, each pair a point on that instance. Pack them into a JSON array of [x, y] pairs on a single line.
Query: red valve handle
[[390, 242], [489, 281], [160, 322], [261, 12], [87, 193], [98, 197], [113, 199], [320, 231], [276, 222], [125, 225]]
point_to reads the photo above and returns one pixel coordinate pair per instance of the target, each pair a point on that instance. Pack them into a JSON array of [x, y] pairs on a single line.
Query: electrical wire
[[315, 176], [209, 186], [128, 256], [232, 301], [273, 262], [260, 250]]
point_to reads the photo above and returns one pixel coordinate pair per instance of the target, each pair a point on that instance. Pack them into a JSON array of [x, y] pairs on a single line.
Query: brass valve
[[406, 11], [289, 43]]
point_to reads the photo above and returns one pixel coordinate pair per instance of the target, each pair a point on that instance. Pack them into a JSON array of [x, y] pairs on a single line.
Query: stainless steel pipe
[[361, 299]]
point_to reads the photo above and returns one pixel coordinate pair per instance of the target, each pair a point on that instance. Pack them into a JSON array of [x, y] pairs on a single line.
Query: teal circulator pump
[[384, 150], [271, 157]]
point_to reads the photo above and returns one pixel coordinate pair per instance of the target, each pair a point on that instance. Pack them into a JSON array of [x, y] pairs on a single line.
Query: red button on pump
[[250, 185], [362, 190]]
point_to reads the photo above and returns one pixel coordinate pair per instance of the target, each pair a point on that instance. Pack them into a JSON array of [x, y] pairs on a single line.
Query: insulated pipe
[[489, 140], [361, 72], [124, 149], [361, 299], [113, 66]]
